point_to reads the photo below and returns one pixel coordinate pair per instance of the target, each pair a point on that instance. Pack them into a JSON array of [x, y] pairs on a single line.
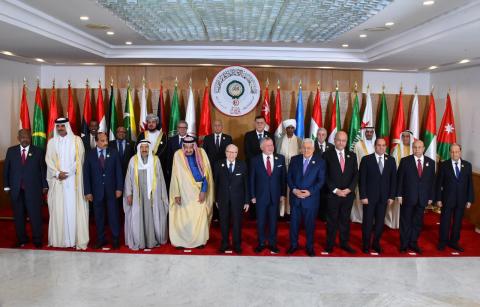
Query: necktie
[[102, 159], [24, 157], [457, 170], [120, 145], [180, 141], [217, 142], [342, 162], [321, 148], [380, 165], [230, 167], [305, 165], [419, 168], [260, 135], [269, 166]]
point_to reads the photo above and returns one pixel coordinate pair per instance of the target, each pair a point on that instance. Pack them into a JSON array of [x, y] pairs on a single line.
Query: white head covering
[[290, 122], [412, 139], [65, 146], [146, 166], [364, 138]]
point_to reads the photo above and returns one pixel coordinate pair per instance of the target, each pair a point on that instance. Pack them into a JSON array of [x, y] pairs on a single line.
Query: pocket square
[[238, 174], [280, 165]]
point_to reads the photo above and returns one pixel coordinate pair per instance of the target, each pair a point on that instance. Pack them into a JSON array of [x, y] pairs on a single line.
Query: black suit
[[86, 143], [125, 156], [415, 192], [454, 193], [328, 146], [322, 209], [340, 208], [215, 153], [26, 182], [378, 188], [231, 193]]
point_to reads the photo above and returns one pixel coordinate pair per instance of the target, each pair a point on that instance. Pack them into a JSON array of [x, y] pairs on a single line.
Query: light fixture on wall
[[110, 33], [363, 35], [389, 24], [84, 18], [431, 2], [128, 43], [464, 61], [345, 45]]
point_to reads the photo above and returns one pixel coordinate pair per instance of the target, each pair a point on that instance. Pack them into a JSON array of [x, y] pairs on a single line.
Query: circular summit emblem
[[235, 91]]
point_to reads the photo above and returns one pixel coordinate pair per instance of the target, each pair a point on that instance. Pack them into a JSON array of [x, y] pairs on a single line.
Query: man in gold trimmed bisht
[[191, 196], [68, 208], [145, 200]]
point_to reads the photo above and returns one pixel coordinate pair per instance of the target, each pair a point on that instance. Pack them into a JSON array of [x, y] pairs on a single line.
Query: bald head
[[341, 138]]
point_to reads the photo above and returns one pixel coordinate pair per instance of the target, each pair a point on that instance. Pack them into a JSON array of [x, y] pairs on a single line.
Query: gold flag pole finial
[[53, 82], [336, 86], [176, 81], [206, 81], [278, 83], [383, 87], [267, 83], [355, 87], [300, 84], [111, 81], [433, 87], [69, 83], [24, 81], [143, 80], [190, 82], [128, 80], [318, 84], [99, 82]]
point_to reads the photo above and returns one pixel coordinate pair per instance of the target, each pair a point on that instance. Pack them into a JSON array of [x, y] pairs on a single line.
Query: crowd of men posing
[[292, 178]]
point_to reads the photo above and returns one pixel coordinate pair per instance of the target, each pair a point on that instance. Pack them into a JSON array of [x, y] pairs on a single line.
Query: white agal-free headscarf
[[149, 166]]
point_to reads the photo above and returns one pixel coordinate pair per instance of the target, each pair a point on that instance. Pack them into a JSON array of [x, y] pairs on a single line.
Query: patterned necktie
[[24, 157], [269, 166], [457, 170], [419, 168], [342, 162], [380, 165], [102, 159], [305, 165], [230, 167]]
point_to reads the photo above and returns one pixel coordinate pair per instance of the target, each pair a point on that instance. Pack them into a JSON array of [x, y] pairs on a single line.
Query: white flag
[[142, 121], [367, 119], [414, 121], [190, 117]]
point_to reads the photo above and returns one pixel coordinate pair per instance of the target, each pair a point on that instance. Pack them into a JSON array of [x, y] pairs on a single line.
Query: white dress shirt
[[265, 160]]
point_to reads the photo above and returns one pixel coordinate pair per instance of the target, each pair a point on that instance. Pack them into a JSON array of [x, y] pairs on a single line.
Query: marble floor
[[52, 278]]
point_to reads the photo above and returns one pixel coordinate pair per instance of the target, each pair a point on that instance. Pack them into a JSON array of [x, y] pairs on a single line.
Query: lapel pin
[[108, 156], [463, 165], [386, 158], [348, 156], [276, 158], [30, 154], [223, 138], [426, 164], [313, 162], [223, 165]]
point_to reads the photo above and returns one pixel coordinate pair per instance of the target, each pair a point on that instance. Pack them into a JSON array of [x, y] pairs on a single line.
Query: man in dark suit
[[89, 140], [415, 190], [454, 193], [123, 147], [342, 175], [267, 188], [174, 143], [306, 176], [377, 188], [321, 145], [102, 184], [24, 178], [231, 195], [216, 143]]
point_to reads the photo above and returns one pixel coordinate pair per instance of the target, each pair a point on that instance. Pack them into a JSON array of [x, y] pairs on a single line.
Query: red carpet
[[390, 241]]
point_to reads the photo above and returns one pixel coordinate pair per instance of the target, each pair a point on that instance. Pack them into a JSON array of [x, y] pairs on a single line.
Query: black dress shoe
[[202, 246], [116, 244], [274, 249], [223, 249], [99, 245], [441, 246], [377, 248], [328, 249], [238, 250], [365, 250], [38, 245], [291, 250], [415, 248], [456, 247], [403, 250], [259, 248], [348, 249], [310, 252]]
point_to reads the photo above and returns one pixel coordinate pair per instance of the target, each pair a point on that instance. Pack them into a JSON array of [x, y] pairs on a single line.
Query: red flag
[[52, 112], [24, 115], [87, 112], [102, 122], [72, 118], [266, 108], [161, 111], [446, 132], [316, 121], [398, 125], [205, 127], [277, 120]]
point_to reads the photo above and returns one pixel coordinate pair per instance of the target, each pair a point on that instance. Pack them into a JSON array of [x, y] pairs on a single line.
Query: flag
[[162, 125], [430, 137], [354, 133], [174, 113], [205, 127], [142, 121], [190, 117], [266, 108], [129, 116], [414, 120], [112, 115], [102, 121], [299, 116], [446, 133], [277, 120], [398, 125], [367, 118], [335, 122], [87, 112], [72, 118], [316, 120], [24, 122], [52, 112], [39, 138], [383, 127]]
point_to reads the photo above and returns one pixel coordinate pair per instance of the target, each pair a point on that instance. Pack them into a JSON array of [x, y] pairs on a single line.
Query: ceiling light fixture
[[464, 61], [7, 53], [389, 24], [128, 43], [384, 69], [84, 18], [433, 67], [110, 33], [345, 45], [363, 35], [89, 64], [40, 60], [428, 2]]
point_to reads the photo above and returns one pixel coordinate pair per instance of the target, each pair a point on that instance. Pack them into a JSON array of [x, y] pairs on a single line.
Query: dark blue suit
[[415, 192], [102, 184], [267, 190], [26, 182], [312, 180]]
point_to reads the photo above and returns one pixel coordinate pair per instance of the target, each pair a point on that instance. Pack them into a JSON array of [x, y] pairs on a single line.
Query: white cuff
[[335, 191], [6, 189]]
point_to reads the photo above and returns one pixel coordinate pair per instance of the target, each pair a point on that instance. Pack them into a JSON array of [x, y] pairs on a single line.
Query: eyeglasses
[[233, 152], [182, 127]]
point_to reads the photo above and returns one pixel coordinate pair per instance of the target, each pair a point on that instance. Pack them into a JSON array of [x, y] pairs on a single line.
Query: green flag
[[113, 122], [39, 138], [354, 130], [129, 117], [383, 130], [174, 113]]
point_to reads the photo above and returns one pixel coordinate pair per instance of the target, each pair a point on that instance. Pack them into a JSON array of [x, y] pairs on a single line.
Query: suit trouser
[[373, 218], [231, 211], [113, 218], [33, 207], [309, 215], [267, 213], [411, 223], [322, 208], [450, 233], [338, 217]]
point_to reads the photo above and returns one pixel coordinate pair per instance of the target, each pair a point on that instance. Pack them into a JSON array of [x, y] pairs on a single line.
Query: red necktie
[[24, 157], [269, 166], [342, 162], [419, 168]]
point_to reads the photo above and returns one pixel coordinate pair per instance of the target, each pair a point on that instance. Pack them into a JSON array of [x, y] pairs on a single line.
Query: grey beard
[[145, 160]]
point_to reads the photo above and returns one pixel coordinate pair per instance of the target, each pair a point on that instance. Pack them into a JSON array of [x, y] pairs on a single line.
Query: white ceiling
[[441, 35]]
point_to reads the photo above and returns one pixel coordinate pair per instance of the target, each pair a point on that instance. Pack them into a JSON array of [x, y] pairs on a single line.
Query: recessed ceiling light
[[84, 18], [88, 63], [110, 33], [325, 67], [128, 43], [363, 35], [464, 61], [7, 53], [384, 69], [428, 2], [389, 24], [345, 45], [433, 67], [39, 60]]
